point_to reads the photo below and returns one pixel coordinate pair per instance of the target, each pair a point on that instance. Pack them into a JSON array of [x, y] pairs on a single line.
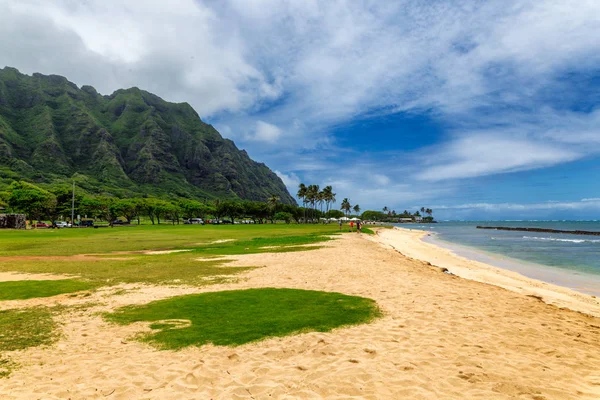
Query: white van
[[194, 221]]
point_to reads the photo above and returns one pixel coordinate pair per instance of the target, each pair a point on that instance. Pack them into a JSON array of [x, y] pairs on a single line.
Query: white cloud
[[291, 181], [265, 132], [479, 155], [550, 210], [585, 204], [381, 180], [307, 66], [182, 51]]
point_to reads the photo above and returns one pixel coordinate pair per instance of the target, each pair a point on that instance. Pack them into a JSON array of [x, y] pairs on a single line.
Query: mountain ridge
[[128, 143]]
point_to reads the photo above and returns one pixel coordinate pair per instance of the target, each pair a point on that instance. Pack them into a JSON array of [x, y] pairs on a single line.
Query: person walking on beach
[[351, 226], [358, 226], [340, 224]]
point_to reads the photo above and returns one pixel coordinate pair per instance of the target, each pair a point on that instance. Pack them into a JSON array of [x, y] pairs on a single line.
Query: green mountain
[[131, 143]]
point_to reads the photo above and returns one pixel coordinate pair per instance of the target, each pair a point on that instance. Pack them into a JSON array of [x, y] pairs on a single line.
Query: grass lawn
[[21, 290], [232, 318], [184, 268], [65, 242]]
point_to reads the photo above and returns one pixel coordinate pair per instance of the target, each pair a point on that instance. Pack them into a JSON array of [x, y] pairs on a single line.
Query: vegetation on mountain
[[131, 143]]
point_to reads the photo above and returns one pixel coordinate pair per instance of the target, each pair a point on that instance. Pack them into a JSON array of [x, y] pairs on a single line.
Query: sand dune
[[441, 337]]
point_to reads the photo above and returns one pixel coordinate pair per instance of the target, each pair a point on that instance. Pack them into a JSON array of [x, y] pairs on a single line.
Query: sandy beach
[[479, 332]]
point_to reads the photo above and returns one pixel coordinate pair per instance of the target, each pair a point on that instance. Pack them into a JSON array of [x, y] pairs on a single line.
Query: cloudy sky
[[477, 109]]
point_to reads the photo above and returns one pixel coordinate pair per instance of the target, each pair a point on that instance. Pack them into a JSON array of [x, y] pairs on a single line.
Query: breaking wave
[[562, 240]]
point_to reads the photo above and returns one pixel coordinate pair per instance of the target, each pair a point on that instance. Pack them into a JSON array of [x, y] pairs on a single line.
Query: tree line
[[56, 204], [388, 215], [314, 197]]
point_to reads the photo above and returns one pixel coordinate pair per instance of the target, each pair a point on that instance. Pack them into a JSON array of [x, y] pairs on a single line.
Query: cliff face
[[131, 142]]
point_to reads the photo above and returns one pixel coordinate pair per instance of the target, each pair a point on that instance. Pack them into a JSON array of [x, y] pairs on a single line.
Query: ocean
[[567, 260]]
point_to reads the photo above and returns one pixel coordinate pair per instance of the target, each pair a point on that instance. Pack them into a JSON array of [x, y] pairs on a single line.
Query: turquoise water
[[575, 253]]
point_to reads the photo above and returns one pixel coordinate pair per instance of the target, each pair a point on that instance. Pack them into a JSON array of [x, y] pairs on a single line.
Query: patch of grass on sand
[[21, 329], [21, 290], [6, 367], [232, 318], [264, 245], [177, 268], [366, 230]]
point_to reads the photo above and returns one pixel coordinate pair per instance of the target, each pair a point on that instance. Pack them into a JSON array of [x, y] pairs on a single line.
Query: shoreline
[[578, 281], [467, 263]]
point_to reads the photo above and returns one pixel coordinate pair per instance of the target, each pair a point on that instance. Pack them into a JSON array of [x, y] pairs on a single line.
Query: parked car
[[194, 221], [62, 224], [120, 222], [41, 225], [85, 223]]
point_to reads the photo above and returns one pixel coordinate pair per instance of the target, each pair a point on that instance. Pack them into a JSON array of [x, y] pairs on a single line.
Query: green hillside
[[131, 143]]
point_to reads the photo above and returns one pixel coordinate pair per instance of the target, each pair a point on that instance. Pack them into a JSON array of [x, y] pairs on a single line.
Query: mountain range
[[129, 143]]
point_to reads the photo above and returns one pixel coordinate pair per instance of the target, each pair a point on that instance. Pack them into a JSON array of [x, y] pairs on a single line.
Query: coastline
[[510, 274], [572, 279]]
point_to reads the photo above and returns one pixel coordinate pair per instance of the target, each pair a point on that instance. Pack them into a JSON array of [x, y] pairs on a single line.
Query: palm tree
[[346, 206], [429, 212], [301, 192], [302, 195], [311, 195], [321, 199], [327, 194], [332, 198], [385, 210], [356, 209], [272, 201], [422, 210]]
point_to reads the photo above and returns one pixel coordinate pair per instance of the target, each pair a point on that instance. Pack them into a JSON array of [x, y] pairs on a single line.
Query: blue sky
[[476, 109]]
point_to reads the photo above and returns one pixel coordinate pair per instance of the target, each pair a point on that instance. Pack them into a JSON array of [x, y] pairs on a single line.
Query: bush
[[284, 216]]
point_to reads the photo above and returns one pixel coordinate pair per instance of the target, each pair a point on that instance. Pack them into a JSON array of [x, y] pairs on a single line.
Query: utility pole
[[73, 207]]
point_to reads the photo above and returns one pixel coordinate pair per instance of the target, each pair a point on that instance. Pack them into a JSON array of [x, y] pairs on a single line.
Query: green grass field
[[91, 258], [65, 242], [233, 318], [52, 250]]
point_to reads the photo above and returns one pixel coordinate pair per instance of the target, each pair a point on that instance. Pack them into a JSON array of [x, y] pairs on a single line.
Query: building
[[13, 221]]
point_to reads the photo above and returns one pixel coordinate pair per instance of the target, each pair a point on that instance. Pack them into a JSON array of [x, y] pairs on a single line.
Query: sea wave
[[562, 240]]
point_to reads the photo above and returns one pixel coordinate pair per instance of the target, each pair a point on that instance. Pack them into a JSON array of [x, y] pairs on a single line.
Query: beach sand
[[441, 336]]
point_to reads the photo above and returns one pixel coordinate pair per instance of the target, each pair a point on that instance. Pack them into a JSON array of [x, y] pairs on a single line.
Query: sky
[[476, 109]]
